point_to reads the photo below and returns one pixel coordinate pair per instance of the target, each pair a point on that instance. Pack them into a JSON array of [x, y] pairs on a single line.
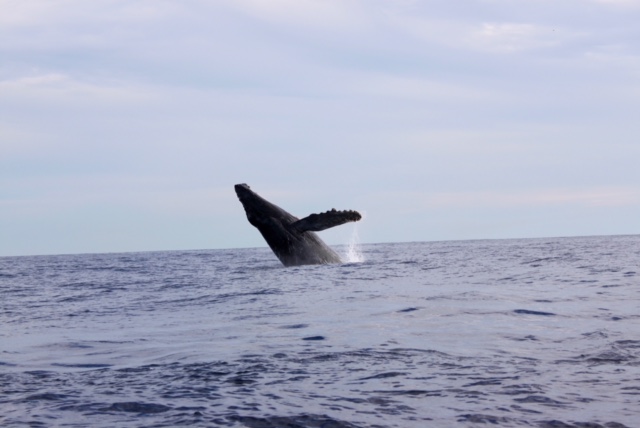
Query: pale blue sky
[[125, 124]]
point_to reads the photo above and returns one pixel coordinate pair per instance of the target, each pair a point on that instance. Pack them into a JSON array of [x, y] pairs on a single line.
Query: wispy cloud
[[515, 37], [623, 3], [63, 90], [591, 197], [309, 14]]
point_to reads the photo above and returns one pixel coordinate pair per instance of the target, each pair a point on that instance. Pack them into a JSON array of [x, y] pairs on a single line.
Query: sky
[[124, 124]]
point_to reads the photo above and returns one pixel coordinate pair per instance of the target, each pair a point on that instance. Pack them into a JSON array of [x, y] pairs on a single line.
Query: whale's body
[[290, 238]]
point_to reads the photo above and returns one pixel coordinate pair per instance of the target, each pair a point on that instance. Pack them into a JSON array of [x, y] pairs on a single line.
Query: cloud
[[623, 3], [62, 89], [508, 37], [419, 88], [590, 197], [64, 114], [308, 14], [80, 14]]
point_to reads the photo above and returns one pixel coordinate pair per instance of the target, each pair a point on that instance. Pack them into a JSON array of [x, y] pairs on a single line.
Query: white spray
[[354, 252]]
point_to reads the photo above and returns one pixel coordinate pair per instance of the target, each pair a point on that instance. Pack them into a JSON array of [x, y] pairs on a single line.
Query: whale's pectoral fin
[[322, 221]]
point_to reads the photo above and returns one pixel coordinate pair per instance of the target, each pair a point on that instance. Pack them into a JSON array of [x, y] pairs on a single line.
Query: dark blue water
[[538, 333]]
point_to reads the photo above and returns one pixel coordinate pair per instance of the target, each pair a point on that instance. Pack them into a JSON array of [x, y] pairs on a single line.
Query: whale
[[292, 239]]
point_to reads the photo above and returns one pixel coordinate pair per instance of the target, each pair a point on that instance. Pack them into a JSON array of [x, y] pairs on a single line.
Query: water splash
[[354, 252]]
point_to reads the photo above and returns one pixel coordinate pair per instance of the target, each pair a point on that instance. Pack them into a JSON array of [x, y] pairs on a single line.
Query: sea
[[510, 333]]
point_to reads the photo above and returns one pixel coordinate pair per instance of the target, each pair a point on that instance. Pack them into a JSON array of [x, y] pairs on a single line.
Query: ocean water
[[532, 333]]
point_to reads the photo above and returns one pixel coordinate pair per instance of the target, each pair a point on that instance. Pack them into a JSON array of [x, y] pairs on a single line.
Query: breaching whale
[[290, 238]]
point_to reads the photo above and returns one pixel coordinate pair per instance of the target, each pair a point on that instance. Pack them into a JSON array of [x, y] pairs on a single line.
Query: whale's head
[[244, 192], [260, 211]]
